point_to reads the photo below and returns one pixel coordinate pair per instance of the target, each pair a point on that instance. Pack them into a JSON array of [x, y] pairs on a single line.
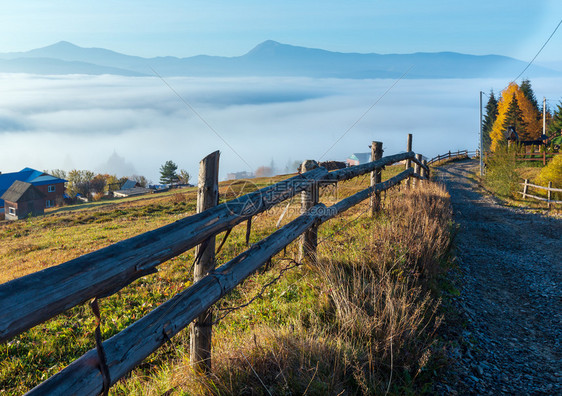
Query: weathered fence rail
[[536, 157], [35, 298], [549, 190], [453, 155], [128, 348]]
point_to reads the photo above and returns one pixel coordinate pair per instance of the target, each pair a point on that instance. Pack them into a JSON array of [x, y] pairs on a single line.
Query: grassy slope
[[305, 332]]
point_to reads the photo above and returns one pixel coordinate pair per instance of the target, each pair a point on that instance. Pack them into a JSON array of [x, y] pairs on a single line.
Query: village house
[[358, 159], [23, 199], [131, 188], [51, 187]]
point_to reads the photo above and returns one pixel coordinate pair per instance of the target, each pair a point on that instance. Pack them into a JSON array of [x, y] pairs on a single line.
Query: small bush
[[501, 177], [552, 173]]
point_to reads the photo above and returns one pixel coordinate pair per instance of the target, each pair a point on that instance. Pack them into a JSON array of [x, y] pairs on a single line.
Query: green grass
[[293, 334]]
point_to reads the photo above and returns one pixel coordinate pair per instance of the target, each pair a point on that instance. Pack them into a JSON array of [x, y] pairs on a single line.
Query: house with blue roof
[[358, 159], [50, 186]]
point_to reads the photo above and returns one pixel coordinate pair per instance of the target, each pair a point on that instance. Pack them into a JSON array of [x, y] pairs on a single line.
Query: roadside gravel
[[508, 336]]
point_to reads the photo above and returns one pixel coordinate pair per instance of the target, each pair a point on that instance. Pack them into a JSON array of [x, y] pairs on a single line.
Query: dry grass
[[359, 321], [366, 328]]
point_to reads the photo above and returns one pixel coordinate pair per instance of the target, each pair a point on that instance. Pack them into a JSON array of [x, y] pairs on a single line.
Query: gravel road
[[509, 336]]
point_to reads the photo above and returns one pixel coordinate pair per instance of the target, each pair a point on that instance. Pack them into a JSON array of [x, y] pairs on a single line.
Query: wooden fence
[[536, 157], [453, 155], [549, 189], [37, 297]]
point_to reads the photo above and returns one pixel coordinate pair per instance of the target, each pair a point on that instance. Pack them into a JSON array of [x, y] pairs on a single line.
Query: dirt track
[[510, 333]]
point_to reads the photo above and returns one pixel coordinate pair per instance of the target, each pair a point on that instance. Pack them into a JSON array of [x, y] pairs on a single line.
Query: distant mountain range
[[269, 58]]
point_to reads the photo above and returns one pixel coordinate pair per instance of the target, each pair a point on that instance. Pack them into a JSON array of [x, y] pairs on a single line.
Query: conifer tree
[[531, 118], [555, 125], [529, 94], [489, 119], [514, 117], [168, 173]]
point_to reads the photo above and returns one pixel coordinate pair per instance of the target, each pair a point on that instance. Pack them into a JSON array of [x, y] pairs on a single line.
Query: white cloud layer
[[84, 121]]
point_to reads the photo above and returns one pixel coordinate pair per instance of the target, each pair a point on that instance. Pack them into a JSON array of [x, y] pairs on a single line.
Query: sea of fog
[[132, 125]]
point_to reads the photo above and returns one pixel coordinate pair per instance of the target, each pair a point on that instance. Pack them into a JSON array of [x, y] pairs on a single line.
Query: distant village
[[30, 192]]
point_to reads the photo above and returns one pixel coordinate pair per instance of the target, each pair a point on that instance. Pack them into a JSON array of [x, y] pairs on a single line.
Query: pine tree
[[514, 117], [532, 124], [555, 125], [168, 173], [489, 119], [529, 94]]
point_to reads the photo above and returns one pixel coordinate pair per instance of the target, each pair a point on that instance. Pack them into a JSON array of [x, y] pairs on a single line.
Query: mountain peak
[[62, 45], [267, 46]]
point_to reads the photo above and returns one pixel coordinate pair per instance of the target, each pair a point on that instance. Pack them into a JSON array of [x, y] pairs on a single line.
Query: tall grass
[[368, 325], [360, 320]]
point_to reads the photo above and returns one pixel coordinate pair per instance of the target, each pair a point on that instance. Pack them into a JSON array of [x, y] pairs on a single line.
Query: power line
[[199, 116], [365, 113], [535, 57]]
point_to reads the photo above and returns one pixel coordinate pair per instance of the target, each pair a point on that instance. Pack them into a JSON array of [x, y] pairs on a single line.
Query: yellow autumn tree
[[530, 116]]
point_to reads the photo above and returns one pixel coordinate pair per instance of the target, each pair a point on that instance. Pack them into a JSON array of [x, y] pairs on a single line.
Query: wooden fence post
[[309, 198], [544, 157], [417, 168], [376, 153], [201, 328], [408, 161], [425, 172], [525, 188], [549, 194]]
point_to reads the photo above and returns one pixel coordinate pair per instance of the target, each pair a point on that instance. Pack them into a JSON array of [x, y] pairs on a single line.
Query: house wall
[[24, 209], [7, 206], [56, 196]]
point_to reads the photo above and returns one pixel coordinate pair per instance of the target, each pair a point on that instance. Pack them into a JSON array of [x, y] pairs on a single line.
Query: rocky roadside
[[507, 338]]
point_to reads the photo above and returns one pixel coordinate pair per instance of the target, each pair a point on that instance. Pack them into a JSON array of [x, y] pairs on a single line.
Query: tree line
[[517, 107], [89, 184]]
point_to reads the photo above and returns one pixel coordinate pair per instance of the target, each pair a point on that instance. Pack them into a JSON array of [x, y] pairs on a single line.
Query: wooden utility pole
[[309, 198], [207, 197], [481, 140], [408, 161], [376, 153]]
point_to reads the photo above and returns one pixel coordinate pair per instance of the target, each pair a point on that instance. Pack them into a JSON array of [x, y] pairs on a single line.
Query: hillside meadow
[[362, 319]]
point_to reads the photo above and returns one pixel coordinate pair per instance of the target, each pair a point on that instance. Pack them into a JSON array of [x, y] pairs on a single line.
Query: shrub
[[501, 177], [552, 173]]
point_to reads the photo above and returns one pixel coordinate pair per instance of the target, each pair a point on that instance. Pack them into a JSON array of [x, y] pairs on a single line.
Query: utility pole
[[481, 140]]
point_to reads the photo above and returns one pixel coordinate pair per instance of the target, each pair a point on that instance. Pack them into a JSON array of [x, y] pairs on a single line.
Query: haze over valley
[[111, 117]]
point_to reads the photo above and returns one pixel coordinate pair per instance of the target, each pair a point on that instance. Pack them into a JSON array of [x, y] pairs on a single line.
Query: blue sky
[[514, 28]]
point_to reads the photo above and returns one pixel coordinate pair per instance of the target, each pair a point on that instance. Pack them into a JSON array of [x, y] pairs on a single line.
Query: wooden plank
[[417, 166], [354, 171], [201, 328], [419, 162], [539, 198], [376, 154], [37, 297], [543, 187], [309, 198], [549, 194], [409, 160], [130, 347]]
